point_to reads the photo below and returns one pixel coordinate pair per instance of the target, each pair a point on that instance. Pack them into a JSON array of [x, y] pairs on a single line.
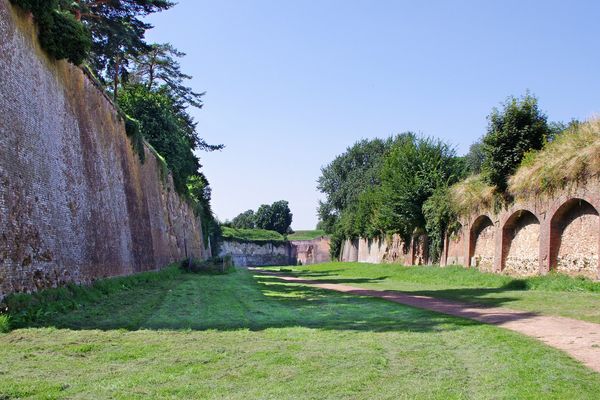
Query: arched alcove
[[521, 244], [482, 237], [575, 239]]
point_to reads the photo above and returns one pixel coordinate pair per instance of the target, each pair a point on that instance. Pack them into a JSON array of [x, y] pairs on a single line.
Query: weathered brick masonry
[[559, 232], [76, 203]]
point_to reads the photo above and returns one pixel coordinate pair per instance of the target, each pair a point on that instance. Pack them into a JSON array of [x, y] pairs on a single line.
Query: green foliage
[[134, 131], [512, 132], [415, 168], [212, 266], [475, 157], [60, 34], [245, 220], [347, 176], [163, 129], [275, 217], [4, 323], [440, 219]]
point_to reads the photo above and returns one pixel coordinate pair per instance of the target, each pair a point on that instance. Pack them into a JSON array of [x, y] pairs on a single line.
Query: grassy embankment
[[252, 235], [307, 235], [552, 294], [239, 336]]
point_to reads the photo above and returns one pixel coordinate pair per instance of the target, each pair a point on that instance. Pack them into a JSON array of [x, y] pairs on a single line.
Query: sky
[[291, 84]]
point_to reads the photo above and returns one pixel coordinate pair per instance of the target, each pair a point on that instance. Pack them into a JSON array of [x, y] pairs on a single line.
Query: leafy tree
[[440, 219], [263, 217], [514, 130], [275, 217], [162, 127], [281, 217], [475, 157], [158, 65], [412, 172], [347, 176], [117, 32], [244, 220]]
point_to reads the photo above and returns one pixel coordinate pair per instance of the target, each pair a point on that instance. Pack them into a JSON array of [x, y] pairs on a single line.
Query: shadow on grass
[[246, 301]]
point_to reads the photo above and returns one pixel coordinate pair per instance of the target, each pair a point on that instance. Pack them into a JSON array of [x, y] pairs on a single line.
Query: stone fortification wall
[[553, 233], [253, 254], [386, 250], [76, 203]]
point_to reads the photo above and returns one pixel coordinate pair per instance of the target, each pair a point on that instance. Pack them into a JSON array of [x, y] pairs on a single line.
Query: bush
[[212, 266], [512, 132], [4, 323], [60, 34]]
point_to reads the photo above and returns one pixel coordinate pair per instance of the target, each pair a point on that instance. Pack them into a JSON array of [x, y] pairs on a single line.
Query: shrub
[[513, 131], [212, 266]]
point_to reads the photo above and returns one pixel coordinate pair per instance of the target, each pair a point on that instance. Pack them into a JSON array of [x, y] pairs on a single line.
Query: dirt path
[[577, 338]]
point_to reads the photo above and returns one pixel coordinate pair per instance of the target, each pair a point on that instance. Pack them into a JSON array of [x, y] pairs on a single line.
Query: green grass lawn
[[552, 294], [306, 235], [251, 234], [241, 336]]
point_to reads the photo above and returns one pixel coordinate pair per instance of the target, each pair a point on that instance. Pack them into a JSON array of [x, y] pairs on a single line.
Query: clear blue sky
[[291, 84]]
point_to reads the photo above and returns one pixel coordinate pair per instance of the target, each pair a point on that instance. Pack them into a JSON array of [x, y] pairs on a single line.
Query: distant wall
[[253, 254], [386, 250], [76, 203], [307, 252]]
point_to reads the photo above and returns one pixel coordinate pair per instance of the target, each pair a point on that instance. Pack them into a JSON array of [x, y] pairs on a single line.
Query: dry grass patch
[[472, 194], [572, 158]]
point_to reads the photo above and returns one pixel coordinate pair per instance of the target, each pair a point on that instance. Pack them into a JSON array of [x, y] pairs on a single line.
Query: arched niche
[[482, 237], [575, 239], [521, 244]]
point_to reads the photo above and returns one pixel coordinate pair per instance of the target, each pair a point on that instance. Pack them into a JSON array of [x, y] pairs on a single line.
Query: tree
[[347, 176], [263, 217], [475, 157], [281, 217], [514, 130], [117, 32], [275, 217], [158, 65], [412, 172], [245, 220], [162, 127]]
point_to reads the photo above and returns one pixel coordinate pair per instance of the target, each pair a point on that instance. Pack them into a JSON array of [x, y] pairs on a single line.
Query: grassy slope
[[552, 294], [242, 337], [306, 235], [251, 234]]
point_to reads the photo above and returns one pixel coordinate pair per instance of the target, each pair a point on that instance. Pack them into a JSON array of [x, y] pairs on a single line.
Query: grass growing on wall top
[[251, 235], [472, 194], [306, 235], [572, 157]]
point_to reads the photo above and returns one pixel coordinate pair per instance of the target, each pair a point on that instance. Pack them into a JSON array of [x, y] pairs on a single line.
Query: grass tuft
[[472, 194], [572, 158], [4, 323]]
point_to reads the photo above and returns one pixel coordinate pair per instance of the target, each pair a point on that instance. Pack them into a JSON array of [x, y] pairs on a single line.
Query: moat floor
[[250, 336], [579, 339]]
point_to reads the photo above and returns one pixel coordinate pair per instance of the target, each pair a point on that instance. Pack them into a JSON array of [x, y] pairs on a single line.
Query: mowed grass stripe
[[241, 336]]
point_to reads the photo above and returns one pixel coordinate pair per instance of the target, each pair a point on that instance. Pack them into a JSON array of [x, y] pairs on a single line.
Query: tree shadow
[[249, 302]]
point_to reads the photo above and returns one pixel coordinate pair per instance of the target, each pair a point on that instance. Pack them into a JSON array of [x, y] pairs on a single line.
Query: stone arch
[[521, 244], [482, 243], [575, 238]]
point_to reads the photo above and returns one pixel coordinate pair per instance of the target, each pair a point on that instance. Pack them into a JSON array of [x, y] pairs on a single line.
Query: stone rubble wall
[[385, 250], [560, 232], [253, 254], [76, 203]]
